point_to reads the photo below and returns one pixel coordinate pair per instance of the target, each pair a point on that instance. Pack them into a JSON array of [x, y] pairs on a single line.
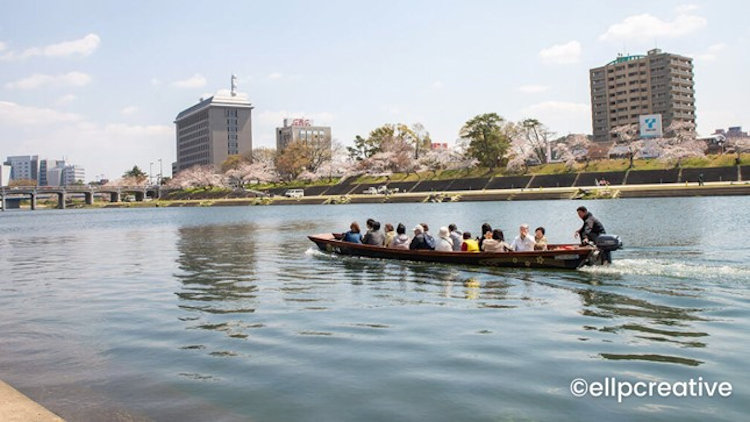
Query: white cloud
[[66, 99], [39, 80], [532, 89], [129, 110], [564, 117], [646, 27], [81, 47], [437, 85], [155, 82], [12, 114], [275, 75], [2, 46], [561, 53], [195, 81], [711, 54]]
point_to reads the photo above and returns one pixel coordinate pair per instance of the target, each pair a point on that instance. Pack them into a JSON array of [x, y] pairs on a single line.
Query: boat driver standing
[[590, 231], [591, 228]]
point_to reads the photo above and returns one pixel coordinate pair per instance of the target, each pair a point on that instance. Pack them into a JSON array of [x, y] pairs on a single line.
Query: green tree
[[135, 173], [488, 139], [233, 162], [294, 160], [363, 148]]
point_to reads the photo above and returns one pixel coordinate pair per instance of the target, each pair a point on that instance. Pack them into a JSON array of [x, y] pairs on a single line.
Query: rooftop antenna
[[234, 85]]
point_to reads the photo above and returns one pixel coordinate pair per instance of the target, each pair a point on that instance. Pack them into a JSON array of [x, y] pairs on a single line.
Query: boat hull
[[563, 257]]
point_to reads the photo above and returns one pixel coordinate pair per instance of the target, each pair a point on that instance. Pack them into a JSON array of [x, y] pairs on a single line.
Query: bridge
[[115, 193]]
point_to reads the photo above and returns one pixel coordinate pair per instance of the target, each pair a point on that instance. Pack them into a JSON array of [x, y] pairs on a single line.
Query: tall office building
[[23, 167], [212, 130], [631, 86], [295, 130]]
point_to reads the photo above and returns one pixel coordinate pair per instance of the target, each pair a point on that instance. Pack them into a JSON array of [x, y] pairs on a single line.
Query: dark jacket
[[419, 242], [591, 228], [374, 238]]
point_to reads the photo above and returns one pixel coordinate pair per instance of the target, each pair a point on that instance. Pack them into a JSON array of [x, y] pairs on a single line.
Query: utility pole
[[150, 171], [161, 175]]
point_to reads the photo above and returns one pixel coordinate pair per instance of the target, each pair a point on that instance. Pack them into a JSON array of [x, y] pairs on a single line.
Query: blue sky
[[101, 82]]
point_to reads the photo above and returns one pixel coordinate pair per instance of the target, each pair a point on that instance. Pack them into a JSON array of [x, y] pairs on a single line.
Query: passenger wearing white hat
[[444, 243]]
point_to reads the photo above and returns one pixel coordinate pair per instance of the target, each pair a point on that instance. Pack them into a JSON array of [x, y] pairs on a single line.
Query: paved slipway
[[16, 407]]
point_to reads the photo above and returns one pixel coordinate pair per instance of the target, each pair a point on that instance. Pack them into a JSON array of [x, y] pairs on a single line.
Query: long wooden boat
[[557, 256]]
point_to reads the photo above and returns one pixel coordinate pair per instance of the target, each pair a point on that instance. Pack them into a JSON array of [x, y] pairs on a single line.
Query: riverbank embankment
[[16, 407], [592, 192]]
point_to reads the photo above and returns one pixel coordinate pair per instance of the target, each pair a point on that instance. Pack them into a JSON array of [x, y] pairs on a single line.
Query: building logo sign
[[651, 126], [301, 122]]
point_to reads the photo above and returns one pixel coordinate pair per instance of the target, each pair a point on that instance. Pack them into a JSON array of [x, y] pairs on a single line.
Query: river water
[[230, 314]]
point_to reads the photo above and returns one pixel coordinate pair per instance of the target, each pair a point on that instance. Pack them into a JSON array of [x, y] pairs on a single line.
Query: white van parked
[[294, 193]]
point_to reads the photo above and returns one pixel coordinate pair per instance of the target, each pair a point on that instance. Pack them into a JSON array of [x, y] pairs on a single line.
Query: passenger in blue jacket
[[353, 235]]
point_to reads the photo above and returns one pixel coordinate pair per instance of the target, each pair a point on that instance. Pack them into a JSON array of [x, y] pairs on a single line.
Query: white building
[[302, 130], [73, 174], [4, 174], [63, 174], [23, 167]]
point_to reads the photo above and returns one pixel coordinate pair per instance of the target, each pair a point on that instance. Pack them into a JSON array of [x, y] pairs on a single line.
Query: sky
[[99, 83]]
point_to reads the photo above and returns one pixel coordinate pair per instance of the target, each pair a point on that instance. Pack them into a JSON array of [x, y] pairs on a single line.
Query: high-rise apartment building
[[212, 130], [295, 130], [631, 86]]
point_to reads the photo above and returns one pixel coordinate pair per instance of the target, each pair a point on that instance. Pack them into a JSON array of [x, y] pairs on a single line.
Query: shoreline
[[672, 190], [17, 407], [566, 193]]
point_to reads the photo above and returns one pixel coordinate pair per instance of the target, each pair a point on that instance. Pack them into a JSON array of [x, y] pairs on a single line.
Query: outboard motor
[[606, 243]]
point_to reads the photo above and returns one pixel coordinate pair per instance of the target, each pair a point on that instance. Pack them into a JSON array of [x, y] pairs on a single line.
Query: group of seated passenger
[[449, 238]]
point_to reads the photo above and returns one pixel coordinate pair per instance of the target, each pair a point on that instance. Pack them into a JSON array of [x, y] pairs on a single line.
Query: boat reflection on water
[[218, 278]]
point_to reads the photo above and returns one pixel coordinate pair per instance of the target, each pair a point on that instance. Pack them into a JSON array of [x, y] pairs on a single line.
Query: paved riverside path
[[16, 407]]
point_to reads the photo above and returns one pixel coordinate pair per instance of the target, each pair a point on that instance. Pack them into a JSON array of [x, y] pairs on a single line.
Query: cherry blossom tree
[[572, 147], [258, 172], [533, 139], [197, 176], [446, 159], [738, 144]]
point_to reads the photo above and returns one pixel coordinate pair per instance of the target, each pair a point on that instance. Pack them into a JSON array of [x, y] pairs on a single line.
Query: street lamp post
[[150, 171], [161, 175]]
